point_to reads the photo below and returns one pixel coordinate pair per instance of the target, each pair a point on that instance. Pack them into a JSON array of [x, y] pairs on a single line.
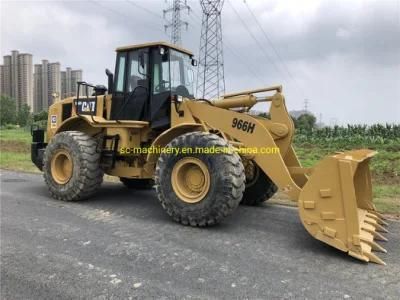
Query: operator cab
[[147, 76]]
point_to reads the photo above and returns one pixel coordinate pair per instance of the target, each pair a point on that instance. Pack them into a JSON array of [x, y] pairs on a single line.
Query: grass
[[385, 166], [18, 135], [15, 150], [386, 199], [17, 161]]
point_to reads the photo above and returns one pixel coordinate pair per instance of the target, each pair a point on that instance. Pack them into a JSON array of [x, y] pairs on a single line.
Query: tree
[[296, 125], [41, 116], [24, 115], [306, 122], [8, 110], [40, 119]]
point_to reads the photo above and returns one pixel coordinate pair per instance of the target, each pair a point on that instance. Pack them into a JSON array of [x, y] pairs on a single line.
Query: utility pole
[[210, 76], [175, 23]]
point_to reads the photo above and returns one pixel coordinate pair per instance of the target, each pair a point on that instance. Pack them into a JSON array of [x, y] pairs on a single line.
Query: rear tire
[[71, 166], [137, 184], [199, 189], [258, 189]]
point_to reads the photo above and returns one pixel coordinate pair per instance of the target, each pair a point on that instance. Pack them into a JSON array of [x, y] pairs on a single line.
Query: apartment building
[[6, 75], [69, 78], [47, 82], [36, 84], [17, 78], [25, 81]]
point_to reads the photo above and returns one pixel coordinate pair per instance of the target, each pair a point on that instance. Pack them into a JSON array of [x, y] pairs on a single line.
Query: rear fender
[[78, 124]]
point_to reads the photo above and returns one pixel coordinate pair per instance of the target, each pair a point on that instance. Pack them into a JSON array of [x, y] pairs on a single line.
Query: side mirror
[[110, 77], [194, 62]]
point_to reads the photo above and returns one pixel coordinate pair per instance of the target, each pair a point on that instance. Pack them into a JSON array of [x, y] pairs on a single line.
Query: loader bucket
[[335, 205]]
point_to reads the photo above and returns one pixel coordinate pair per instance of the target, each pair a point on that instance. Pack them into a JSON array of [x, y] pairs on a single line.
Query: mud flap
[[335, 205]]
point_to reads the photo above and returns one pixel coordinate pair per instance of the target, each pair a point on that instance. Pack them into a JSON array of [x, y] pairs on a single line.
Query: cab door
[[131, 86], [160, 111]]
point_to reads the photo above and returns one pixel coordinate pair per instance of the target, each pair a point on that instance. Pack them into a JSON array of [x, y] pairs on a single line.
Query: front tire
[[71, 166], [259, 187], [199, 189]]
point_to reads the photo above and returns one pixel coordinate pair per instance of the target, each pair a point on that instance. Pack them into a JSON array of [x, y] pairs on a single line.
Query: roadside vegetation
[[311, 145]]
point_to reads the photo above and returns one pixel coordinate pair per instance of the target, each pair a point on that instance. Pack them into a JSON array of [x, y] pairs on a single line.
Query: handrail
[[277, 88]]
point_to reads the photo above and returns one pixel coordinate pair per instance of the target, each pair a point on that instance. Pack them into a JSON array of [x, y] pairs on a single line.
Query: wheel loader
[[147, 128]]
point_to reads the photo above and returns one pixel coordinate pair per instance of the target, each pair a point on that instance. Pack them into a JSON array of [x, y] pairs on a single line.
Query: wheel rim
[[252, 173], [190, 180], [61, 166]]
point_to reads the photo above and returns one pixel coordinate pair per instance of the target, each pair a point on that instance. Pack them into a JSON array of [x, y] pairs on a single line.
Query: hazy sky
[[344, 56]]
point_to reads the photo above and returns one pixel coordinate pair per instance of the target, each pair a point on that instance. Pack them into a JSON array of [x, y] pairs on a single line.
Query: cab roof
[[153, 44]]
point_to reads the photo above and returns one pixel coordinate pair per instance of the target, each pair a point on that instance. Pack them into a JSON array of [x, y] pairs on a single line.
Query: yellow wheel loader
[[204, 156]]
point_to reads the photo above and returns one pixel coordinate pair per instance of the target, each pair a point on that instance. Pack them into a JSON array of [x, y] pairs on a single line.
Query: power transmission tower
[[210, 76], [306, 105], [175, 23]]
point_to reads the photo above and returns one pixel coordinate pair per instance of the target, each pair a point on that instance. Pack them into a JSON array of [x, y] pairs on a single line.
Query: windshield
[[175, 74], [181, 74]]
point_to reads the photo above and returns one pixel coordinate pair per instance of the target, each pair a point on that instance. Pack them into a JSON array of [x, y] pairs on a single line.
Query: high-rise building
[[17, 78], [54, 81], [37, 88], [6, 75], [36, 85], [14, 74], [69, 78], [25, 81], [47, 82]]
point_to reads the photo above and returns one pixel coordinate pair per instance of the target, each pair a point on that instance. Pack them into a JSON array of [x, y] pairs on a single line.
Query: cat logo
[[88, 106]]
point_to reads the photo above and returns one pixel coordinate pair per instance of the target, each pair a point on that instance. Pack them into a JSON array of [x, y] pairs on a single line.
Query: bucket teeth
[[377, 219], [379, 215], [380, 228], [370, 229], [372, 257], [374, 245], [377, 226], [379, 237]]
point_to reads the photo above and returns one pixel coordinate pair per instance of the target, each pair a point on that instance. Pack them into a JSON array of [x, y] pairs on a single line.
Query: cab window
[[161, 78], [120, 72], [137, 69], [181, 74]]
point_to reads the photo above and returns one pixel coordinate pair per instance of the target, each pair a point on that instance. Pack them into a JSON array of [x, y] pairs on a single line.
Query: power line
[[145, 9], [253, 36], [196, 20], [227, 46], [272, 45], [97, 3]]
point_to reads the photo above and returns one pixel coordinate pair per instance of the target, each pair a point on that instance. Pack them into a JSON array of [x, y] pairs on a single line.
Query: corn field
[[377, 134]]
